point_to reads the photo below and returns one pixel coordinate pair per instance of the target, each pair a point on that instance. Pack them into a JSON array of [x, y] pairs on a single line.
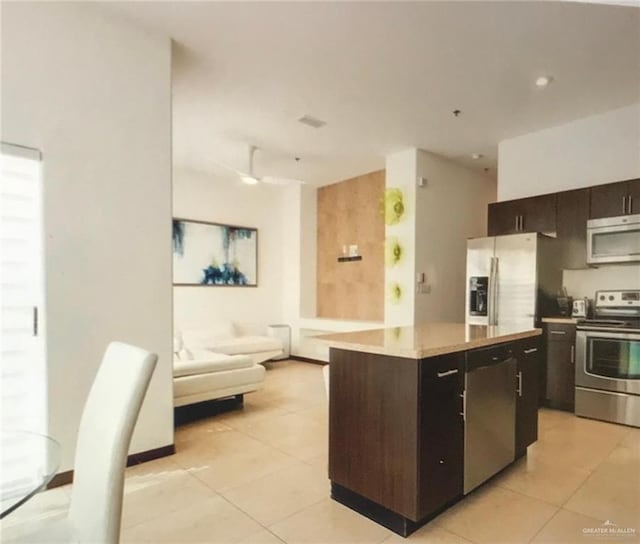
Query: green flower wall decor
[[394, 252], [393, 206], [395, 293]]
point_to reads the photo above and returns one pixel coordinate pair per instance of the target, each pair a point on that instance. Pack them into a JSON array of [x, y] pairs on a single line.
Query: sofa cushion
[[216, 385], [213, 362], [206, 338], [247, 344]]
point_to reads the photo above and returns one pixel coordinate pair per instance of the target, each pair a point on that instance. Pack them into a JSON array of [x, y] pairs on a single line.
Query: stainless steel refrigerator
[[512, 280]]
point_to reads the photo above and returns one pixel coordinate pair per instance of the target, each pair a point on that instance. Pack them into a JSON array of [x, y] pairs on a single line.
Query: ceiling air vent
[[311, 121]]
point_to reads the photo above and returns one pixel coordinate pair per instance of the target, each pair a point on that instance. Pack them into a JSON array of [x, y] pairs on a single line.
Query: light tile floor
[[259, 476]]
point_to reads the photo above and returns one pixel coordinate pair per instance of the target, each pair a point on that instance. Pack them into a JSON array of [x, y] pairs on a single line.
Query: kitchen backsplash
[[585, 283]]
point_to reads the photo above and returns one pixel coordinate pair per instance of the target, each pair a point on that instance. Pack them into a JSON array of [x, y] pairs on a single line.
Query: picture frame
[[209, 254]]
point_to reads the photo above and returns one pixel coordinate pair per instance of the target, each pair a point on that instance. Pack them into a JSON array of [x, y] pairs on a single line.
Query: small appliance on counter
[[608, 359], [580, 307], [565, 303]]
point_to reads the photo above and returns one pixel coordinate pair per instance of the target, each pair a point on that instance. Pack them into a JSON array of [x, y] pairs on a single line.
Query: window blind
[[23, 371], [22, 363]]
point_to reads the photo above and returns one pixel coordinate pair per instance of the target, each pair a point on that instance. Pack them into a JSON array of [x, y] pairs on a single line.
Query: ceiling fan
[[250, 178]]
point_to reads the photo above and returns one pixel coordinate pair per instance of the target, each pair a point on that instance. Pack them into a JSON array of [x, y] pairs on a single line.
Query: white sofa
[[234, 339], [210, 376], [215, 363]]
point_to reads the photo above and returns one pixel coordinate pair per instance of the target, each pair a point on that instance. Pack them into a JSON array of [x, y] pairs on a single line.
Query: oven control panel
[[618, 299]]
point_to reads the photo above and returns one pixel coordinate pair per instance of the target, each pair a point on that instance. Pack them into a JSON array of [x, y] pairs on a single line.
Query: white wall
[[298, 222], [205, 197], [93, 94], [598, 149], [585, 283], [451, 207]]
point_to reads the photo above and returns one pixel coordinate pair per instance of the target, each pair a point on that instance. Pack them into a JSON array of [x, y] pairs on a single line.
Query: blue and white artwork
[[212, 254]]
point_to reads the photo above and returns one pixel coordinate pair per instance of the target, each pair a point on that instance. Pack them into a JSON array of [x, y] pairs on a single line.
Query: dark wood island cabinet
[[397, 416]]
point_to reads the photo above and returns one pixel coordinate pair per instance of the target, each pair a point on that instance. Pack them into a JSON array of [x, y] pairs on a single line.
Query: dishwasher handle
[[494, 362]]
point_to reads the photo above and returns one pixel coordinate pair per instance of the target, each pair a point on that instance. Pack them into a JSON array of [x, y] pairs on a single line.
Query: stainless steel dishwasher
[[490, 414]]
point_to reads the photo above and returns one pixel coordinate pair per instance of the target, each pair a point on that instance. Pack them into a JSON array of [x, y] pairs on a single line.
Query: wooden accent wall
[[349, 212]]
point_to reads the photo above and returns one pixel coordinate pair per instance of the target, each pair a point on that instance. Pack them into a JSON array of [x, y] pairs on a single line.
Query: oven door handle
[[618, 334]]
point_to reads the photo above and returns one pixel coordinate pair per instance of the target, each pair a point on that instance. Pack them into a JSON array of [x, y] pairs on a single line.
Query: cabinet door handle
[[447, 373], [464, 405], [624, 204], [558, 332], [629, 205], [521, 223], [519, 389], [573, 354], [530, 350], [517, 222]]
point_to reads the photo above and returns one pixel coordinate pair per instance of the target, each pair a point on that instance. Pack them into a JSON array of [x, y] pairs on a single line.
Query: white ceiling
[[384, 76]]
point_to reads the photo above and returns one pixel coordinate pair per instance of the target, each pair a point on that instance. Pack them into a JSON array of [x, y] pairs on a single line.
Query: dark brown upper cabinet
[[614, 199], [634, 196], [534, 214], [572, 213], [503, 217]]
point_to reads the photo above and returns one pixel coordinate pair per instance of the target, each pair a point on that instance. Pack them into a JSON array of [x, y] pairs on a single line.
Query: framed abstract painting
[[214, 254]]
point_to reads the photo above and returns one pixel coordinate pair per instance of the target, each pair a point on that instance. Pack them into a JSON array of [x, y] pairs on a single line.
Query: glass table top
[[28, 461]]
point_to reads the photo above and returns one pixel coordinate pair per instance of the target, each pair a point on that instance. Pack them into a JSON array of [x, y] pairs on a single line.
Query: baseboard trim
[[66, 477], [62, 478], [150, 455], [308, 360]]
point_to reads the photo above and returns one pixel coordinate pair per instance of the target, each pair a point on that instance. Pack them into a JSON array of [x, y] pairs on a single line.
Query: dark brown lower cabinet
[[396, 429], [560, 340], [396, 434], [441, 437], [528, 354]]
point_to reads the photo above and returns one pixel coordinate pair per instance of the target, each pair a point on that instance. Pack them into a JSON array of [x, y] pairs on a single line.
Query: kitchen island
[[420, 416]]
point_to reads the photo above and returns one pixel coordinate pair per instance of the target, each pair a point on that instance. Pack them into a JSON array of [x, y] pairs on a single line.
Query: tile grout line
[[591, 472], [545, 524]]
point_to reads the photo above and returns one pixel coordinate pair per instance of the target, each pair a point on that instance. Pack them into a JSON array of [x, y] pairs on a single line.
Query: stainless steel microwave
[[613, 239]]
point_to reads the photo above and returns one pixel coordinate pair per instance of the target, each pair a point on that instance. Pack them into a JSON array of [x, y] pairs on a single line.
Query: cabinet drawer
[[486, 356], [528, 347], [560, 332], [444, 366]]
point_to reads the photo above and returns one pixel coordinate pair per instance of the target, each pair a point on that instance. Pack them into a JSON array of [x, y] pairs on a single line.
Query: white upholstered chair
[[107, 423]]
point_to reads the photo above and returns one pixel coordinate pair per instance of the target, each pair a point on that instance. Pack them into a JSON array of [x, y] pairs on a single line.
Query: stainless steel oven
[[608, 359], [613, 239]]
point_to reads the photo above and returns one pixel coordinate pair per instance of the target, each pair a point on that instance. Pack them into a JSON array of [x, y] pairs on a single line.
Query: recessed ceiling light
[[476, 156], [543, 81]]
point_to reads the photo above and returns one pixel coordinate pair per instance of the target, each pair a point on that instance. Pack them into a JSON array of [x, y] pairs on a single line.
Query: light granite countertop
[[560, 319], [426, 340]]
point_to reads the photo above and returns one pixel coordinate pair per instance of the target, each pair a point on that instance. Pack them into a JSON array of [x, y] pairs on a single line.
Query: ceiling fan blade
[[273, 180], [231, 169]]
